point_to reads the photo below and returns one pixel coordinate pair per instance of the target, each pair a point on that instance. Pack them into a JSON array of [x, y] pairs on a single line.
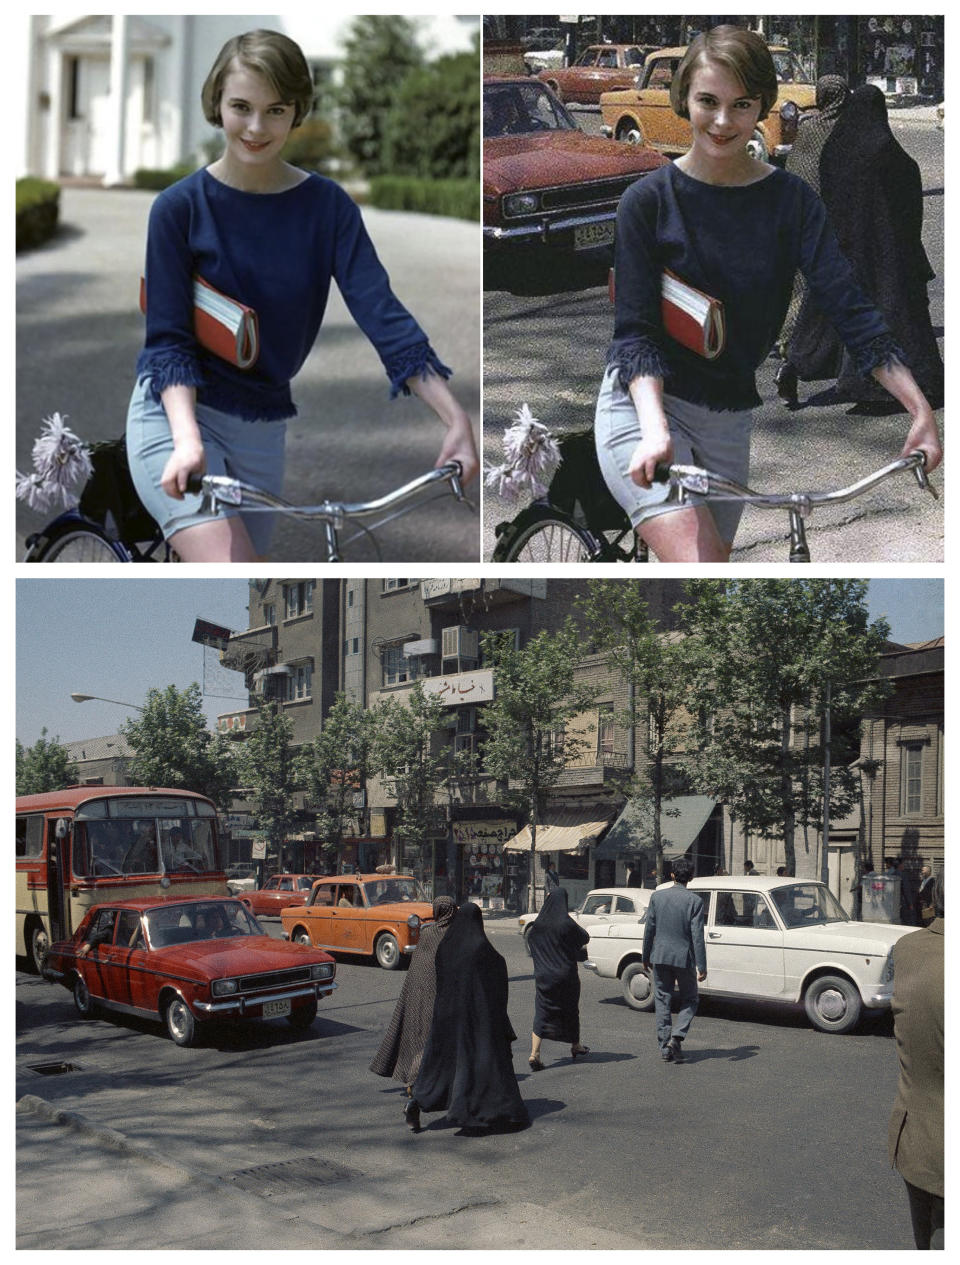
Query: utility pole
[[825, 853]]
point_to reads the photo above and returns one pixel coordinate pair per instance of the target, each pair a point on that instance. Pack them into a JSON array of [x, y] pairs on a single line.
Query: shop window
[[573, 865]]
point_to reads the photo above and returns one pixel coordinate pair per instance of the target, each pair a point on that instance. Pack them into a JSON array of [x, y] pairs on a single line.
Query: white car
[[770, 939], [601, 906]]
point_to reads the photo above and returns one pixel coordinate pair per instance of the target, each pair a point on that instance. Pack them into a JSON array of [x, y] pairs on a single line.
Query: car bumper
[[560, 233], [590, 966], [879, 998], [242, 1005]]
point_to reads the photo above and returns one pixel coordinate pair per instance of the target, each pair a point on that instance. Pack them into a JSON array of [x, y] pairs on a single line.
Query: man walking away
[[915, 1135], [674, 953]]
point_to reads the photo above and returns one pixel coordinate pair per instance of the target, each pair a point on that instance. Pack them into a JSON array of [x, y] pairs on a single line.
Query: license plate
[[586, 236], [275, 1009]]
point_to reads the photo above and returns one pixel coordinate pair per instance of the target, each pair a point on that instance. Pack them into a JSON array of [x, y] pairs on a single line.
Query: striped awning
[[563, 830]]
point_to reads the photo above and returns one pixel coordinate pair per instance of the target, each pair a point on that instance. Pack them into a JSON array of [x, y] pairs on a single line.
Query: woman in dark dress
[[873, 194], [467, 1067], [402, 1046], [557, 944]]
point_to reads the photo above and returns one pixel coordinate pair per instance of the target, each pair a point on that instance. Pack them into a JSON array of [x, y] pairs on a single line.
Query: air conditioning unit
[[460, 642]]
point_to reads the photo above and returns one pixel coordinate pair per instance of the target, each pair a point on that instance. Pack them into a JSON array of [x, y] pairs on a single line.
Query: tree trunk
[[786, 796]]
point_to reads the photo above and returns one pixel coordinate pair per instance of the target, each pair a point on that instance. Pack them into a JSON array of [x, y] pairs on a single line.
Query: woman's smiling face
[[255, 124], [723, 119]]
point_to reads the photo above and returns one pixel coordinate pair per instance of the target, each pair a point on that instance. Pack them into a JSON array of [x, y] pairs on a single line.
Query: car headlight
[[413, 921], [789, 112], [223, 987], [887, 976], [323, 970], [521, 203]]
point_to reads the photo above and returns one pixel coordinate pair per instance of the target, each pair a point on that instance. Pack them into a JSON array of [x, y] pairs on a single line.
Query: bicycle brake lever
[[920, 473]]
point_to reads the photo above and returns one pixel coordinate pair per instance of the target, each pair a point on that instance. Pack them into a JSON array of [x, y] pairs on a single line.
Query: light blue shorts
[[718, 441], [250, 451]]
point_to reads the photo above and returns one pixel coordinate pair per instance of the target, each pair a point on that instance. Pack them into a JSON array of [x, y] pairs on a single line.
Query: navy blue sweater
[[743, 246], [276, 252]]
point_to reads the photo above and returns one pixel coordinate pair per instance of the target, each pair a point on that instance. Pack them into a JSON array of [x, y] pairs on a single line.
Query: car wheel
[[757, 148], [39, 946], [637, 987], [832, 1003], [300, 936], [388, 952], [303, 1016], [628, 131], [180, 1022], [82, 999]]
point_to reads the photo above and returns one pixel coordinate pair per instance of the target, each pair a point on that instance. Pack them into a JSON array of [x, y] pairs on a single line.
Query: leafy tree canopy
[[174, 748], [46, 766]]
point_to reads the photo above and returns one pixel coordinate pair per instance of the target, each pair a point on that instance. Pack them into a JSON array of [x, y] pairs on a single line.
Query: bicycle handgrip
[[661, 473], [195, 484]]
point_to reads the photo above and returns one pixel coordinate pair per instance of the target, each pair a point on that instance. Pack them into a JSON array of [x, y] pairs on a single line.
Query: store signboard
[[472, 833], [461, 687]]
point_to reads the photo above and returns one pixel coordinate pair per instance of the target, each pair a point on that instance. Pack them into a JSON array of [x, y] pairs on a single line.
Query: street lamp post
[[89, 698]]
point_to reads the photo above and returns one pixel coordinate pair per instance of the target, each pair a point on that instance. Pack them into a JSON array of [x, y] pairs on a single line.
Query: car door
[[346, 918], [98, 969], [127, 966], [744, 946], [662, 127], [596, 908], [628, 909]]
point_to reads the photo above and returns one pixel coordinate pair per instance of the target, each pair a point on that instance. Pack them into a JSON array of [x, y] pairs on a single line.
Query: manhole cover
[[53, 1069], [290, 1175]]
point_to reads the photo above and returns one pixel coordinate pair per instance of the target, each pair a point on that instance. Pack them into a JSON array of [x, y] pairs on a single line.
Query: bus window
[[126, 846], [30, 836]]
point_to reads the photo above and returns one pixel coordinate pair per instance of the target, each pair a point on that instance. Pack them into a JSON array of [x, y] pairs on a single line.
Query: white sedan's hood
[[848, 937]]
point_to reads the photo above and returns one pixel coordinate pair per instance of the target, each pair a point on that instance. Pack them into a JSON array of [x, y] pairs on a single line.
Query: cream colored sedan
[[602, 906]]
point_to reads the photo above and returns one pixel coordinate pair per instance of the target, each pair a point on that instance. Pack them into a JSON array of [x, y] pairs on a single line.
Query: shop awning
[[681, 820], [564, 830]]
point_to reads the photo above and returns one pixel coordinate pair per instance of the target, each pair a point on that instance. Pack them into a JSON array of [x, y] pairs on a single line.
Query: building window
[[270, 613], [351, 645], [912, 783], [298, 599], [350, 596], [301, 681], [389, 586], [605, 730], [397, 668]]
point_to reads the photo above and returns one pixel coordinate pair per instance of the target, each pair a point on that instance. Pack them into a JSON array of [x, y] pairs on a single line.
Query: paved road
[[776, 1131], [79, 332], [548, 350]]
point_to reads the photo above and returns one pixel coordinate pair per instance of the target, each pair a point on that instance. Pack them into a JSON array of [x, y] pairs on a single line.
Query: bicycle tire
[[79, 544], [542, 534]]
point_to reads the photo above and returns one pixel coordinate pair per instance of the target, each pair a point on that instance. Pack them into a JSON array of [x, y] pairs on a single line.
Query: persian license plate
[[276, 1009], [586, 236]]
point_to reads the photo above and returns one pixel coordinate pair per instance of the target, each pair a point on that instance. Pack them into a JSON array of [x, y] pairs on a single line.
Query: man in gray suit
[[674, 953]]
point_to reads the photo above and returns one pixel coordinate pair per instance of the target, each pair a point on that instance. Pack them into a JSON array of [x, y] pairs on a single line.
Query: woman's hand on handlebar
[[922, 437], [186, 460], [657, 450], [458, 445]]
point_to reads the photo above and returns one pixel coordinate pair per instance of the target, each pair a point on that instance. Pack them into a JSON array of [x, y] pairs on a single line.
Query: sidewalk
[[81, 1186]]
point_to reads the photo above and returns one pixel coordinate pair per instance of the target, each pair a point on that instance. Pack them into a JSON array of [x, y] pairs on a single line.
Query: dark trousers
[[926, 1213], [664, 978]]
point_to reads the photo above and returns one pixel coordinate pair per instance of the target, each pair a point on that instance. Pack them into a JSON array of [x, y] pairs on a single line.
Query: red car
[[278, 892], [185, 962], [600, 68]]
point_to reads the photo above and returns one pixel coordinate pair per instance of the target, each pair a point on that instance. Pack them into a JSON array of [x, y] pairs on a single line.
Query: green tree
[[269, 774], [766, 653], [414, 761], [432, 129], [46, 766], [174, 748], [655, 668], [378, 54], [336, 767], [527, 745]]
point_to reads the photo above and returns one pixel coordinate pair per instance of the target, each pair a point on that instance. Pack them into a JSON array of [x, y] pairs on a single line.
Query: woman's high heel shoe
[[411, 1113], [535, 1064], [580, 1050], [786, 381]]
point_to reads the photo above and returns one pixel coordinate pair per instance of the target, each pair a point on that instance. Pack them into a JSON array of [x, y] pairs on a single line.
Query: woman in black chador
[[402, 1046], [557, 944], [467, 1067], [873, 193]]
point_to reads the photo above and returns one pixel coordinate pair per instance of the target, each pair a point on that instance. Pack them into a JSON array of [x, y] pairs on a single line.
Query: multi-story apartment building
[[374, 639]]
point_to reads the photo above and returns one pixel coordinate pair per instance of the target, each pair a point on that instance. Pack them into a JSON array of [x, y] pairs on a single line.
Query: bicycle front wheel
[[79, 544], [542, 534]]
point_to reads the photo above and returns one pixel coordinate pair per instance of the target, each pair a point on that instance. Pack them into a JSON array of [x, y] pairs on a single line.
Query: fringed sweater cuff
[[880, 353], [169, 369], [636, 358], [420, 360]]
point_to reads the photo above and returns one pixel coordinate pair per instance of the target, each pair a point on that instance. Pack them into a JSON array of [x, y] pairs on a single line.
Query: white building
[[106, 94]]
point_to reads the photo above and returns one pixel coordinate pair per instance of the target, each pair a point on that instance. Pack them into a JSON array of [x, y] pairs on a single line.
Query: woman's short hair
[[274, 56], [743, 53]]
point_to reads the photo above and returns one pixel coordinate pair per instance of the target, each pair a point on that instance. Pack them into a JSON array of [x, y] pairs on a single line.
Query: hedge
[[457, 198], [161, 177], [38, 211]]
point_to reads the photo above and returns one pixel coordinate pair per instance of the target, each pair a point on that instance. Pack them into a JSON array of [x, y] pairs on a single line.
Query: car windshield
[[515, 109], [206, 920], [808, 905], [788, 68], [386, 890]]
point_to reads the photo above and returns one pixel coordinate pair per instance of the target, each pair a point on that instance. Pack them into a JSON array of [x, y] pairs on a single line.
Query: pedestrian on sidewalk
[[467, 1065], [401, 1049], [557, 945], [674, 954], [272, 237], [915, 1134]]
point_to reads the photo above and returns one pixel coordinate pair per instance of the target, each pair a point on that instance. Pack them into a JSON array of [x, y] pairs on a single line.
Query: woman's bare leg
[[687, 535], [222, 540]]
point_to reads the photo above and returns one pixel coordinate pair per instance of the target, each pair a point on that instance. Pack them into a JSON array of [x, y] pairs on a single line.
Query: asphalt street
[[770, 1136], [547, 348], [79, 332]]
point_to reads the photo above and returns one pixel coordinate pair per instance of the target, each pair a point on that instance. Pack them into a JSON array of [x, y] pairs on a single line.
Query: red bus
[[85, 844]]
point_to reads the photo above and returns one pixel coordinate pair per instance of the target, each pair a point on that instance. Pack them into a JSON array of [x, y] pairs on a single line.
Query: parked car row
[[766, 939]]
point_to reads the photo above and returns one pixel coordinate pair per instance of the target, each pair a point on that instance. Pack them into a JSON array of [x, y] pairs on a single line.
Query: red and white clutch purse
[[222, 325]]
